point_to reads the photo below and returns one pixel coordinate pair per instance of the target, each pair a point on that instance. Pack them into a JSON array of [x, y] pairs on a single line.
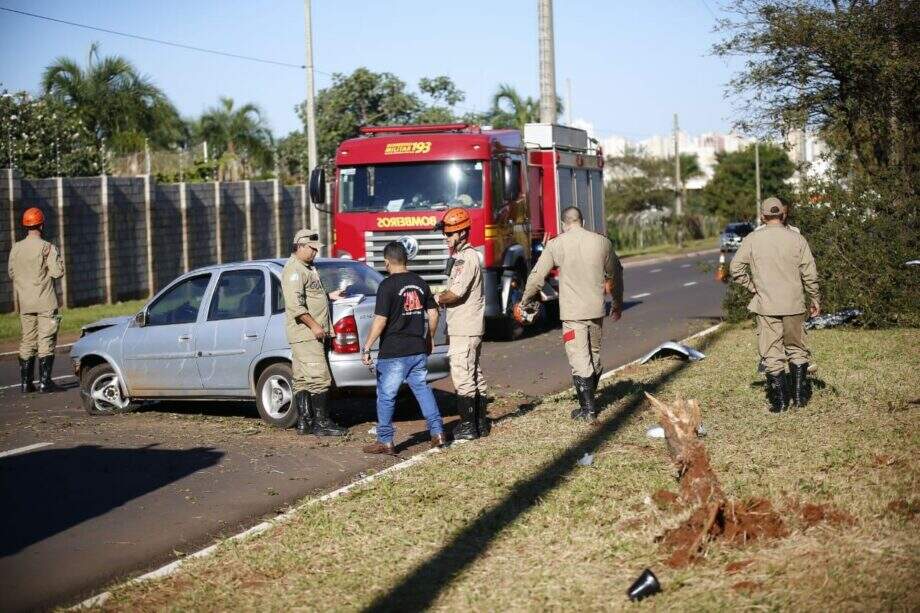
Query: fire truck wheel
[[274, 396]]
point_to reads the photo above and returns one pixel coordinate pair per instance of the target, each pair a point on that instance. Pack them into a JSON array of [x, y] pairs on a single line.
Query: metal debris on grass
[[672, 348], [831, 320], [586, 460]]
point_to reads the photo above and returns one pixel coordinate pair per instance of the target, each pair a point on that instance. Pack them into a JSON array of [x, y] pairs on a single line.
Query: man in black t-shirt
[[405, 319]]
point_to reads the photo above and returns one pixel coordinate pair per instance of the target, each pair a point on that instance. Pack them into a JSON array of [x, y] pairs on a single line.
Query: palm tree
[[115, 101], [239, 136], [519, 110]]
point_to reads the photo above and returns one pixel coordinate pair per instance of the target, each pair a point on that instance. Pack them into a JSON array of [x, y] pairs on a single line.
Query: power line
[[706, 4], [158, 41]]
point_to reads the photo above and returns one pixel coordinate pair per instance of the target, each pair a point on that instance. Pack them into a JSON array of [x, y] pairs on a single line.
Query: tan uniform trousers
[[582, 340], [779, 339], [39, 334], [309, 366], [464, 353]]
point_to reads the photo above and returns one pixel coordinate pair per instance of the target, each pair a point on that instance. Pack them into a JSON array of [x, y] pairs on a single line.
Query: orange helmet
[[33, 217], [454, 220]]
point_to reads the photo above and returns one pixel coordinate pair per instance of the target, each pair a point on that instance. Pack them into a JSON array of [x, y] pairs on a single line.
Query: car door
[[160, 357], [231, 335]]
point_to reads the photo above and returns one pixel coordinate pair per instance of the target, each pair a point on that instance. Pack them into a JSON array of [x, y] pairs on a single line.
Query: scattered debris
[[912, 263], [646, 585], [373, 431], [586, 460], [655, 432], [671, 348], [831, 320]]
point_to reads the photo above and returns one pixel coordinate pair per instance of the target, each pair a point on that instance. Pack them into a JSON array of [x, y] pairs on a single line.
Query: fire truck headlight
[[341, 253]]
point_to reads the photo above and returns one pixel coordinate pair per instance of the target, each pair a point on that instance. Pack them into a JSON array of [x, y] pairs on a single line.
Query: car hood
[[108, 322]]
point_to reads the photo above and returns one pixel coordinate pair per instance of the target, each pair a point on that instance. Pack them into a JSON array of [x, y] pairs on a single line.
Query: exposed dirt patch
[[666, 500], [907, 508], [746, 586], [813, 514], [736, 567], [883, 459]]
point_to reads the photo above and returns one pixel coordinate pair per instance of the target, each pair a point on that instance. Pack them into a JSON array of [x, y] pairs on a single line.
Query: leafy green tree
[[238, 137], [114, 101], [45, 138], [732, 192], [638, 182], [511, 110], [849, 69], [365, 98]]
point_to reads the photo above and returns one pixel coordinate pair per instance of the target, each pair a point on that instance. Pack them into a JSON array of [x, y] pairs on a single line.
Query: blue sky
[[632, 64]]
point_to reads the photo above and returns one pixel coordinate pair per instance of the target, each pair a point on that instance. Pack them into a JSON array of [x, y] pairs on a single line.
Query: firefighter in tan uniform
[[589, 269], [776, 265], [463, 300], [34, 265], [306, 312]]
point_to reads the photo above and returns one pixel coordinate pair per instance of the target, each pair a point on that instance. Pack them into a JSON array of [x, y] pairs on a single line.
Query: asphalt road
[[102, 499]]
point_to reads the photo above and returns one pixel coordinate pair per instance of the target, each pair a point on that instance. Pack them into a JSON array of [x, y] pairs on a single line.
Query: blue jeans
[[391, 373]]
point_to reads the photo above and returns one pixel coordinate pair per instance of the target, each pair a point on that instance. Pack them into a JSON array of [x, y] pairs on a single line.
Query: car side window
[[180, 304], [239, 293], [277, 296]]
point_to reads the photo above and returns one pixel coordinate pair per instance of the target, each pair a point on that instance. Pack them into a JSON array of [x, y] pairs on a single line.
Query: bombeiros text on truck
[[396, 182]]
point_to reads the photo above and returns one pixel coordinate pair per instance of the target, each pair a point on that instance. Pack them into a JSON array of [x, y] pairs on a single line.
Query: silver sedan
[[218, 333]]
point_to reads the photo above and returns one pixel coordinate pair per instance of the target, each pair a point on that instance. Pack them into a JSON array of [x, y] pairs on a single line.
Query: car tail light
[[346, 335]]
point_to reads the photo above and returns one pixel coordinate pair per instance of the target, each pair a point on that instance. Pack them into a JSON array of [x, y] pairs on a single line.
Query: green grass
[[512, 522], [72, 319], [672, 249]]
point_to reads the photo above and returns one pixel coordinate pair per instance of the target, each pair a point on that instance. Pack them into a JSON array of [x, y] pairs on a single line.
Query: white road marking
[[6, 387], [655, 270], [173, 567], [688, 284], [641, 295], [23, 449], [685, 265]]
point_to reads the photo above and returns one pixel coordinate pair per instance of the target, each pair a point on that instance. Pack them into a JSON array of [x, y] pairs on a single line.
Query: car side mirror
[[140, 320], [318, 185]]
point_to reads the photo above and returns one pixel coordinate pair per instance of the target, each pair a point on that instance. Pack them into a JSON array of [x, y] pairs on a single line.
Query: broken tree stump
[[714, 516]]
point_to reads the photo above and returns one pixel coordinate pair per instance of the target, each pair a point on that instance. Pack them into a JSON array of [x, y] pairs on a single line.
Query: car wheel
[[101, 392], [275, 396]]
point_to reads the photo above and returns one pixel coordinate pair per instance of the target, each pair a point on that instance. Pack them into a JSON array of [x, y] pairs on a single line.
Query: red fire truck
[[395, 182]]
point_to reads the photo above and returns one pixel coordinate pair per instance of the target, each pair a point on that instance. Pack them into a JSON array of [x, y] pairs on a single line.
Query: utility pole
[[757, 179], [547, 62], [678, 204], [310, 127]]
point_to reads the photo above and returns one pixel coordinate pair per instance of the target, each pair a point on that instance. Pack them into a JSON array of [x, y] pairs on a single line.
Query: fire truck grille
[[429, 257]]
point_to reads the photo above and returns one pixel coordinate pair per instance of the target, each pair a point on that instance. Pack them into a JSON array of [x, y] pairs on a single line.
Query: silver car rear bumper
[[349, 371]]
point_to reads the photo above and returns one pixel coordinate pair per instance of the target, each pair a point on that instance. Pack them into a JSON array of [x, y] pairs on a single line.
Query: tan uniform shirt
[[776, 265], [303, 294], [466, 317], [585, 260], [34, 265]]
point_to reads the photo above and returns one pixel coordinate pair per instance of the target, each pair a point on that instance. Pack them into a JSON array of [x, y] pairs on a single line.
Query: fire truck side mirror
[[318, 185]]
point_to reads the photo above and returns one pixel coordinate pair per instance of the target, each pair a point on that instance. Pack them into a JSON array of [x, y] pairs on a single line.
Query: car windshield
[[741, 229], [411, 187]]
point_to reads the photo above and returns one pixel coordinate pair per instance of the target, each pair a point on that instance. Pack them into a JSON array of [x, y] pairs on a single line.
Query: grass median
[[671, 248], [71, 319], [515, 522]]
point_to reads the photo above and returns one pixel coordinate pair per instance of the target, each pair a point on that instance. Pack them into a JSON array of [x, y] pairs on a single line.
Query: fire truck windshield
[[411, 187]]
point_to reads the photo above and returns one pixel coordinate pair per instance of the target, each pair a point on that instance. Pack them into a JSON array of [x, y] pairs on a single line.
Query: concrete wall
[[105, 220]]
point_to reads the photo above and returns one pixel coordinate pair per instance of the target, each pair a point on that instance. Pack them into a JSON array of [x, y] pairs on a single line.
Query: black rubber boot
[[322, 423], [45, 384], [27, 375], [466, 430], [483, 423], [776, 392], [304, 423], [800, 387], [587, 411]]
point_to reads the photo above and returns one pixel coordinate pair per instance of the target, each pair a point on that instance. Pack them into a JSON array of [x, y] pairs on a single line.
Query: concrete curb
[[668, 258], [173, 567]]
